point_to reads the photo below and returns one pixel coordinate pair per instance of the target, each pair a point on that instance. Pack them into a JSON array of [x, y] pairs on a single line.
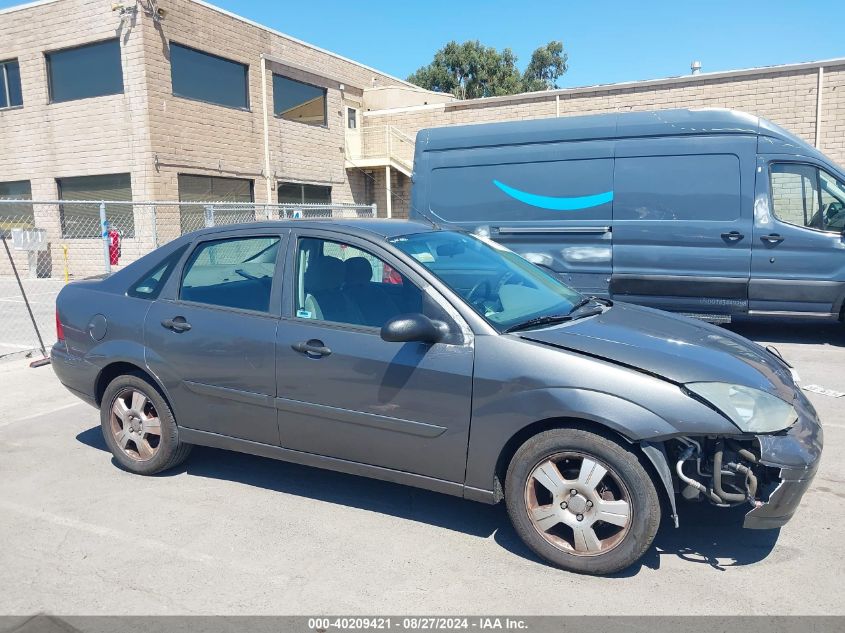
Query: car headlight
[[752, 410]]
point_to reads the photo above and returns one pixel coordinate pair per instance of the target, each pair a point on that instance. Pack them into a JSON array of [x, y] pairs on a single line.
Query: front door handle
[[177, 324], [312, 348], [772, 238], [733, 236]]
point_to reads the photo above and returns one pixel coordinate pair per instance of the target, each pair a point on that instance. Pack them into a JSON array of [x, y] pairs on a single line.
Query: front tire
[[139, 427], [582, 501]]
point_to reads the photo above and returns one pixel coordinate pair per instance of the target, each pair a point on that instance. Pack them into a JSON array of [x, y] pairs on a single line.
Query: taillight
[[60, 331]]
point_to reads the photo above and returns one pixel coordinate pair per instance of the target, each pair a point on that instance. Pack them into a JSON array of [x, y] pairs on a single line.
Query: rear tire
[[582, 501], [139, 427]]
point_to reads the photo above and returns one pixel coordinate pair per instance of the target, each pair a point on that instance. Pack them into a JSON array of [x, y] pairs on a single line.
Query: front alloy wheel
[[582, 501], [578, 504]]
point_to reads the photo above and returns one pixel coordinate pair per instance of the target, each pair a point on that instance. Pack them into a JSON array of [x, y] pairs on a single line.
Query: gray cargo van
[[709, 212]]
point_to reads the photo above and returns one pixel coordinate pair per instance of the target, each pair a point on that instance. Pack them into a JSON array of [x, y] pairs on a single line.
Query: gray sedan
[[437, 359]]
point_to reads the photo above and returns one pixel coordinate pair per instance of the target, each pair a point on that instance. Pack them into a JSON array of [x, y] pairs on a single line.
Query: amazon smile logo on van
[[556, 203]]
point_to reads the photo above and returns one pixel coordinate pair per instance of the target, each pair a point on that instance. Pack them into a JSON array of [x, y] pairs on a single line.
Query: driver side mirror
[[413, 328]]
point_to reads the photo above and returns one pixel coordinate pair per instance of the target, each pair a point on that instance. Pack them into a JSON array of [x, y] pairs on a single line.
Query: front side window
[[10, 84], [806, 196], [296, 193], [83, 220], [205, 77], [344, 284], [93, 70], [232, 273], [297, 101], [193, 188], [15, 215], [497, 283]]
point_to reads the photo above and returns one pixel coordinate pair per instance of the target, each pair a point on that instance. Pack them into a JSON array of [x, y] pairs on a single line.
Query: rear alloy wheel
[[135, 424], [139, 427], [582, 501]]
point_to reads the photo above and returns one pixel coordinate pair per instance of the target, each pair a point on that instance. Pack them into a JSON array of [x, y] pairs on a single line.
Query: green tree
[[470, 70], [547, 64]]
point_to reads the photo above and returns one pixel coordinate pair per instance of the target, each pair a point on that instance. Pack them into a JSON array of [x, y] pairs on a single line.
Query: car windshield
[[500, 285]]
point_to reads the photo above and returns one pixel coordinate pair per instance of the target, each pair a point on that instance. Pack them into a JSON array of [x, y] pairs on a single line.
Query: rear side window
[[150, 285], [701, 187], [233, 273]]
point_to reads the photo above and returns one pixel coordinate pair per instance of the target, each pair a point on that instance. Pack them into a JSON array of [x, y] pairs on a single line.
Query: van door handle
[[313, 348], [772, 238], [733, 236], [177, 324]]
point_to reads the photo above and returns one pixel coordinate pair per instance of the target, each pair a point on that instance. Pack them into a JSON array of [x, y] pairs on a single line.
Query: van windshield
[[500, 285]]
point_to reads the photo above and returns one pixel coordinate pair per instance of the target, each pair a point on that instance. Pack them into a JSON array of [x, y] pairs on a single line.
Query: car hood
[[677, 348]]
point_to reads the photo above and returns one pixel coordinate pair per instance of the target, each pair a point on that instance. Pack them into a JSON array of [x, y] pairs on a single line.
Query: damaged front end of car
[[769, 471]]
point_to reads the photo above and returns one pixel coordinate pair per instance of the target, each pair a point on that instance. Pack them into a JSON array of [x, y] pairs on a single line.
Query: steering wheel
[[476, 289]]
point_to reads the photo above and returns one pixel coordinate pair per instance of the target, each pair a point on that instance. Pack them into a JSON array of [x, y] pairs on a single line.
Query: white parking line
[[42, 413]]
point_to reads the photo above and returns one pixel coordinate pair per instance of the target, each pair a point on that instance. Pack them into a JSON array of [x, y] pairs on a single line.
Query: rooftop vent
[[695, 67]]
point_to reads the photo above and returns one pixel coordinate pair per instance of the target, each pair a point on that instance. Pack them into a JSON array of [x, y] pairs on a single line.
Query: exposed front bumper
[[797, 454]]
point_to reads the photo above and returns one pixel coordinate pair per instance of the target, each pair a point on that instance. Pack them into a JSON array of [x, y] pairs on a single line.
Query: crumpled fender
[[495, 421]]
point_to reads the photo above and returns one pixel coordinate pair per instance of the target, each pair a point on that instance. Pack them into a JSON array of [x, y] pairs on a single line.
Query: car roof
[[362, 227], [602, 126]]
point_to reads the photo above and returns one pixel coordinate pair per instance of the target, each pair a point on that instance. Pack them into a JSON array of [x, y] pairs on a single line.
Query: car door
[[210, 336], [342, 391], [682, 222], [798, 253]]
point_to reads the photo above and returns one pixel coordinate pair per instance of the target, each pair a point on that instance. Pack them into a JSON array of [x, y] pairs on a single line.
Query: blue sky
[[606, 41]]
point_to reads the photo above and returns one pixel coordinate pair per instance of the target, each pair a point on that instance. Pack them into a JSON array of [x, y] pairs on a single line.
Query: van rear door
[[682, 222], [549, 202]]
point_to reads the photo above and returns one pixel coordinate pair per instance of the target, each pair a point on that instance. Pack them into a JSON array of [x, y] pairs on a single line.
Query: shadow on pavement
[[807, 331], [707, 536]]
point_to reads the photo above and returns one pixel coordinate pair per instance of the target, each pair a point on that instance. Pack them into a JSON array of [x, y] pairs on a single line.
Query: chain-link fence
[[49, 243]]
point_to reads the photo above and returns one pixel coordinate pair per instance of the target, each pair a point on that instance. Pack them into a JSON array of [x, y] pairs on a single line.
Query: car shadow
[[708, 536], [806, 331]]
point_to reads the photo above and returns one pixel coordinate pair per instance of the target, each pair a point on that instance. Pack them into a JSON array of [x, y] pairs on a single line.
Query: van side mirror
[[413, 328]]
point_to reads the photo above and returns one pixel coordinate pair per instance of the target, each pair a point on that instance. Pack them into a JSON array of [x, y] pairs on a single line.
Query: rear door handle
[[733, 236], [773, 238], [313, 348], [177, 324]]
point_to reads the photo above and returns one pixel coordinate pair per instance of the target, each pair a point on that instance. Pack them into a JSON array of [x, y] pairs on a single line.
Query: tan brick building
[[190, 102]]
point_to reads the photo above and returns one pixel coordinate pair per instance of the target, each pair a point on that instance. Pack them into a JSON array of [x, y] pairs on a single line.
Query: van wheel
[[139, 427], [582, 501]]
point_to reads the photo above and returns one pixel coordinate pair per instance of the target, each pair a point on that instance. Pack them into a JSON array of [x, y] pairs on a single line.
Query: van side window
[[807, 196], [700, 187]]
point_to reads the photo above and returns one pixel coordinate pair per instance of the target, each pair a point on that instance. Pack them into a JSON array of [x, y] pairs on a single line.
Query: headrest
[[324, 273], [358, 270]]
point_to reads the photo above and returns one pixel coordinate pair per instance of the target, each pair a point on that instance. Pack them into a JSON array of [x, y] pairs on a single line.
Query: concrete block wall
[[787, 96]]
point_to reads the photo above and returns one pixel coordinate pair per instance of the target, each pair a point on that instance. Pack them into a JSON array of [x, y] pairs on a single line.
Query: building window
[[15, 215], [237, 191], [10, 84], [83, 220], [209, 78], [351, 118], [92, 70], [297, 101], [295, 193]]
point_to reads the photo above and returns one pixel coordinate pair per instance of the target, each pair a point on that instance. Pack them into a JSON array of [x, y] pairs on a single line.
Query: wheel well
[[112, 371], [520, 437]]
